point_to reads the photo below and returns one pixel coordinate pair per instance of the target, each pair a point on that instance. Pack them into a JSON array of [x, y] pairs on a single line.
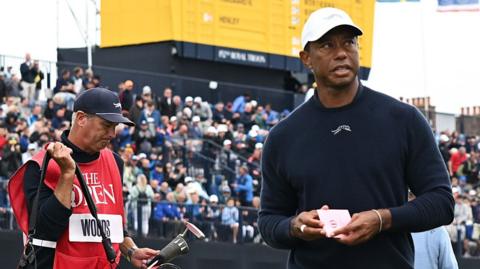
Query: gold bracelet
[[380, 218]]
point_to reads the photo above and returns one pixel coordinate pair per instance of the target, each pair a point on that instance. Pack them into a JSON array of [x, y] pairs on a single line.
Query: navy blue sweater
[[359, 157]]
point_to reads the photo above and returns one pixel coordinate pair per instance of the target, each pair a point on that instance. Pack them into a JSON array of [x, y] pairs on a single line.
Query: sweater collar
[[78, 155], [356, 99]]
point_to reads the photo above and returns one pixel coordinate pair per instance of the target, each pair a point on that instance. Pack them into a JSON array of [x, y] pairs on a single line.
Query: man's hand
[[62, 155], [312, 226], [362, 227], [141, 255]]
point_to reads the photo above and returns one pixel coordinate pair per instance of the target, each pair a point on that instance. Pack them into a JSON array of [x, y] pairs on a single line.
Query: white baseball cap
[[212, 129], [188, 179], [323, 20], [213, 198], [146, 90], [222, 128]]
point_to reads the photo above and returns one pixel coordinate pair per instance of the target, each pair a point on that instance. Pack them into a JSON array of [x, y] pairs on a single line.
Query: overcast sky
[[417, 51]]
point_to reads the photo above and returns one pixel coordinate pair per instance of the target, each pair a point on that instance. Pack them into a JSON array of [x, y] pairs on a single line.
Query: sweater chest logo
[[343, 127]]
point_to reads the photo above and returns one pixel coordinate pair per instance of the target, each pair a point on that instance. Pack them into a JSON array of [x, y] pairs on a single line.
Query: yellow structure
[[267, 26]]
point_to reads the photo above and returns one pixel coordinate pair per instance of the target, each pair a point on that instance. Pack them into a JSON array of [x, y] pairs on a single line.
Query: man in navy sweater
[[349, 147]]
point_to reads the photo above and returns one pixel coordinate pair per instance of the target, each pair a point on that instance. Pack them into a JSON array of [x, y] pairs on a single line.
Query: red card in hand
[[333, 219]]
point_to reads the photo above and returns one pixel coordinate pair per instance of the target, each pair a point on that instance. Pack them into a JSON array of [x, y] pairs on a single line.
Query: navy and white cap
[[103, 103]]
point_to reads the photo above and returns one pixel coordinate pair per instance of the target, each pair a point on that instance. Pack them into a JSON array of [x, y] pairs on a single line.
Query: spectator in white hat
[[228, 160], [202, 109], [147, 94], [189, 102], [223, 133], [193, 185], [31, 150], [196, 131]]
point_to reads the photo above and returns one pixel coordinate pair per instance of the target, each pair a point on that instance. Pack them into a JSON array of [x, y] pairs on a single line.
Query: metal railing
[[209, 221]]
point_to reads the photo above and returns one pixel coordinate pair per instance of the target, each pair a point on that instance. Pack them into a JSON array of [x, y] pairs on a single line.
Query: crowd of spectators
[[462, 157], [187, 159]]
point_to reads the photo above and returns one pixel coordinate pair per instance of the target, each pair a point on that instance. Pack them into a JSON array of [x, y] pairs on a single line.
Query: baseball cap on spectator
[[188, 99], [322, 21], [142, 156], [227, 142], [102, 103], [188, 179], [32, 146], [252, 133], [222, 128], [173, 118], [197, 99], [226, 188], [255, 128], [213, 198], [455, 190], [259, 146], [212, 129], [144, 122], [187, 112], [146, 90], [196, 119], [444, 138], [253, 103]]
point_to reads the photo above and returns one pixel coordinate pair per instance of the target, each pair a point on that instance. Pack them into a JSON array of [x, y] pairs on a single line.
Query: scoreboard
[[264, 26]]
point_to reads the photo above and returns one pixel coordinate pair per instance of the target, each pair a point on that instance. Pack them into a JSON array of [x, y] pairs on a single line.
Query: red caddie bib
[[80, 246]]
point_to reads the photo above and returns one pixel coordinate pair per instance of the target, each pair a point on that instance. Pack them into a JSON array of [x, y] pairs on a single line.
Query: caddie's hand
[[361, 228], [62, 155], [141, 255], [307, 225]]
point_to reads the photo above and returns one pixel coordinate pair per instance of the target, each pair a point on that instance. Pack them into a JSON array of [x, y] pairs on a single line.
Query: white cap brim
[[324, 20]]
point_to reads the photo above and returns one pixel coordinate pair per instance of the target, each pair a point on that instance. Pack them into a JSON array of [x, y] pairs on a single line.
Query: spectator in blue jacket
[[167, 210], [151, 115], [230, 217], [167, 217], [157, 172], [244, 187], [239, 103]]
